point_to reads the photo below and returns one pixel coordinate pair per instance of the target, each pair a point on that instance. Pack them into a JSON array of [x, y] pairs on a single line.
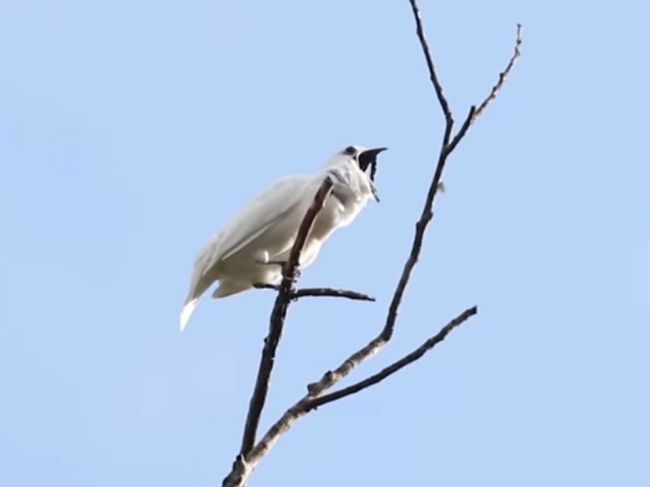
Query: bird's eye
[[350, 151]]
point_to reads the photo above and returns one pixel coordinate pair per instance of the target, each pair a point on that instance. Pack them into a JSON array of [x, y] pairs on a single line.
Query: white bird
[[248, 249]]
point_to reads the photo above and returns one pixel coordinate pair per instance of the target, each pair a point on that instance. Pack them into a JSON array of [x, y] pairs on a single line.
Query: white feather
[[187, 311]]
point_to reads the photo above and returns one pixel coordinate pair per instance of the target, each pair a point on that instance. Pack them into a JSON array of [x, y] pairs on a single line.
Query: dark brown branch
[[321, 292], [334, 293], [416, 247], [502, 76], [446, 148], [278, 316], [463, 130], [444, 104], [394, 367]]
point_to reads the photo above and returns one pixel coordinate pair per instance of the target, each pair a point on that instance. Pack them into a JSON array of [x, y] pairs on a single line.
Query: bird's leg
[[264, 285], [283, 264], [263, 258]]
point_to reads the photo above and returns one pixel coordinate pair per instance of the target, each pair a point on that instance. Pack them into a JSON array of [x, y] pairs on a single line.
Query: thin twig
[[395, 366], [278, 316], [331, 292], [502, 76], [444, 104], [306, 292]]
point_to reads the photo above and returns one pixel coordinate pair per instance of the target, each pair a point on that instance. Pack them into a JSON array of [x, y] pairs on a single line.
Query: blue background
[[130, 131]]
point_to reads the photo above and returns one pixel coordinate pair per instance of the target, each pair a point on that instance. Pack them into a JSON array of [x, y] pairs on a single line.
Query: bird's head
[[365, 159]]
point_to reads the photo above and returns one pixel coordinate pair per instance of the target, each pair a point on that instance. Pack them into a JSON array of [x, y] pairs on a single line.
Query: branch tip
[[503, 75]]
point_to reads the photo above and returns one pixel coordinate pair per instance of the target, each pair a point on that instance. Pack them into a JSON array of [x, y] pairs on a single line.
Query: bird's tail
[[188, 309]]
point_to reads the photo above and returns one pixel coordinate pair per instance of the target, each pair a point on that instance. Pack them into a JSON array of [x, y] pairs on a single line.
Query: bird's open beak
[[368, 159]]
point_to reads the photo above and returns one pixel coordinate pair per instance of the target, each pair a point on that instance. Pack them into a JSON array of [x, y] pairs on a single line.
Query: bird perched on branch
[[250, 250]]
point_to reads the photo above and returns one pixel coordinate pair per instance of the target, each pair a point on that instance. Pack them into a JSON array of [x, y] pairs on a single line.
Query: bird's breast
[[337, 212]]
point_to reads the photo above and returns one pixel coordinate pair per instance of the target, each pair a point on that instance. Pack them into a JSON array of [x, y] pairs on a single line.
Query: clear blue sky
[[131, 130]]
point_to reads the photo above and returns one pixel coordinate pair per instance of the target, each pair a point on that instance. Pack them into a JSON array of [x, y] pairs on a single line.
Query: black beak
[[369, 158]]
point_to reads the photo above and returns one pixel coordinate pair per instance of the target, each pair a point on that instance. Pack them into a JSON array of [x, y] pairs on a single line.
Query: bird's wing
[[256, 217]]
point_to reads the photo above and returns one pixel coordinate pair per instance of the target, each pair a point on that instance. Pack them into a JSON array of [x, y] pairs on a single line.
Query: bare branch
[[309, 402], [416, 247], [444, 104], [462, 132], [321, 292], [278, 316], [502, 76], [331, 292], [395, 366], [446, 149]]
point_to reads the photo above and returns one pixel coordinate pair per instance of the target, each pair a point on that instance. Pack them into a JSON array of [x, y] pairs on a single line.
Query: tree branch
[[502, 76], [463, 130], [395, 366], [278, 316], [309, 402], [321, 292], [331, 292]]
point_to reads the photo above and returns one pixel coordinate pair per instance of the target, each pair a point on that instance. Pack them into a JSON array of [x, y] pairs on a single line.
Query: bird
[[249, 251]]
